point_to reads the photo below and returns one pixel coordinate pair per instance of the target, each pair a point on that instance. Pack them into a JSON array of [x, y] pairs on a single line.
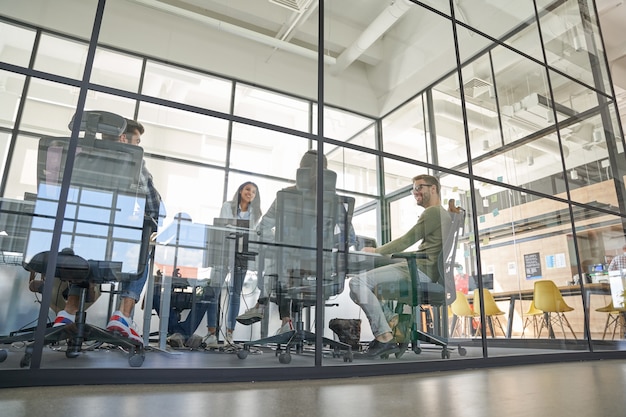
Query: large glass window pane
[[405, 131], [182, 134], [270, 107], [10, 99], [18, 44], [61, 56], [49, 107], [187, 87], [356, 170], [22, 176], [117, 70], [265, 151]]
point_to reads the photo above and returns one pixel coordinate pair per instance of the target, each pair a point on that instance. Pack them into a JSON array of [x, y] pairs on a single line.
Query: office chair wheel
[[284, 358], [445, 353], [348, 357], [3, 355], [417, 349], [28, 353], [135, 360], [242, 354], [462, 351]]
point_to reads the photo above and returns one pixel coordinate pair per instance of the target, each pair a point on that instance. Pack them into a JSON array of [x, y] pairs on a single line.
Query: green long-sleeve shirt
[[430, 227]]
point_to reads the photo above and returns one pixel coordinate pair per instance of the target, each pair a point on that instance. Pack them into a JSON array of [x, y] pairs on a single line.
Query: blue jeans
[[234, 299], [188, 326], [362, 289]]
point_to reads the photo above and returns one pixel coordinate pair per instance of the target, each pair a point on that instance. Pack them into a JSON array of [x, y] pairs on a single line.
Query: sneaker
[[210, 340], [229, 338], [176, 340], [252, 315], [118, 323], [287, 327], [63, 318], [376, 349], [194, 341]]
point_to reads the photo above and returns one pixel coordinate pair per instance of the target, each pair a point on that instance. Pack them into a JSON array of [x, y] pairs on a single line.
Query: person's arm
[[227, 211], [427, 224], [153, 198], [267, 223]]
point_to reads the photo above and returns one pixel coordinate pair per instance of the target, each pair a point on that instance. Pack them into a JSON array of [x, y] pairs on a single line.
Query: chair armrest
[[411, 258], [410, 255]]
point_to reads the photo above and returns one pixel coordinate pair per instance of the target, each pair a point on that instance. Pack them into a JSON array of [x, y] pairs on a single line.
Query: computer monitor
[[487, 282]]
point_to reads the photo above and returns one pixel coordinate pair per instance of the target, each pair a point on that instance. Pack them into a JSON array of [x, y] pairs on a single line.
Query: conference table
[[512, 297]]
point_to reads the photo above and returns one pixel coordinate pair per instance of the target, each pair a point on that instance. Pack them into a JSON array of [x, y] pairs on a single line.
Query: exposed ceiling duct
[[375, 30], [490, 124], [235, 30]]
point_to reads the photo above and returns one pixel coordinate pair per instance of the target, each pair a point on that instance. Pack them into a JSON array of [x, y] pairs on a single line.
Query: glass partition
[[258, 252]]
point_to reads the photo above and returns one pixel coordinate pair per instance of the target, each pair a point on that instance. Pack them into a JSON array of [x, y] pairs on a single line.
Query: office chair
[[105, 235], [549, 299], [437, 295], [294, 255]]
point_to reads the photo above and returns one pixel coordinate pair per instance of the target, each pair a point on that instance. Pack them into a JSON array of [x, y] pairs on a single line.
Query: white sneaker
[[210, 340], [287, 327], [229, 338], [252, 315], [126, 327]]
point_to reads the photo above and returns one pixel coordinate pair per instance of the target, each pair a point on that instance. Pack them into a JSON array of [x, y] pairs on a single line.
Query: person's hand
[[369, 249]]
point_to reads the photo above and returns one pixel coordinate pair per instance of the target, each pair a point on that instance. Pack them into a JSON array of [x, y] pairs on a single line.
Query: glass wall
[[509, 109]]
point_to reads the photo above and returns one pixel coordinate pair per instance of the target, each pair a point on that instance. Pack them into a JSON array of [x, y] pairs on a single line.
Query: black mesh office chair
[[105, 235], [437, 295], [294, 257]]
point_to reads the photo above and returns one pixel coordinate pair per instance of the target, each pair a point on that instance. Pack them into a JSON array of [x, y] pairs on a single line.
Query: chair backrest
[[296, 237], [461, 307], [447, 258], [548, 298], [104, 217], [491, 308]]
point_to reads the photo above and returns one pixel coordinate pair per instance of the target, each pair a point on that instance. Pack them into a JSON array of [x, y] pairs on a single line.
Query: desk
[[359, 261], [566, 291]]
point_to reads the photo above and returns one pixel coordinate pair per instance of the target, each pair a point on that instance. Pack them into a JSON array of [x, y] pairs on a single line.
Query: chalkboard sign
[[532, 265]]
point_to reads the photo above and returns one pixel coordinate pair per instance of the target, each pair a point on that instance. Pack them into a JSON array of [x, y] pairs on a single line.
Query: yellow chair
[[614, 319], [548, 299], [463, 314], [531, 317], [492, 311]]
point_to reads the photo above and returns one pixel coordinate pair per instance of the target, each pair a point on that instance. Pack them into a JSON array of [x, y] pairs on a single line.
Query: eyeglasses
[[418, 188]]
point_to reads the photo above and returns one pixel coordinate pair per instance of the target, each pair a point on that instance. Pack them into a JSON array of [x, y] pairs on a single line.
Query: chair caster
[[3, 355], [445, 354], [70, 353], [462, 351], [243, 353], [25, 361], [417, 349], [348, 357], [135, 360], [284, 358]]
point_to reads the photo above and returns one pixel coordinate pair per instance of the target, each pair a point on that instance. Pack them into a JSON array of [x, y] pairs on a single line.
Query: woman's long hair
[[255, 205]]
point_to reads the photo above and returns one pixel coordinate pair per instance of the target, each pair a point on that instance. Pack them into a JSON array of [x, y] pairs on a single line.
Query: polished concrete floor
[[579, 389]]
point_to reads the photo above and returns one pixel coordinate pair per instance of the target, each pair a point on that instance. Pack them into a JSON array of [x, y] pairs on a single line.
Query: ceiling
[[384, 39], [392, 47]]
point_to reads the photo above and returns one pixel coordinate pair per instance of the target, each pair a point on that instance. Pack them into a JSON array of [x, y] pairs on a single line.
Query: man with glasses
[[431, 225]]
